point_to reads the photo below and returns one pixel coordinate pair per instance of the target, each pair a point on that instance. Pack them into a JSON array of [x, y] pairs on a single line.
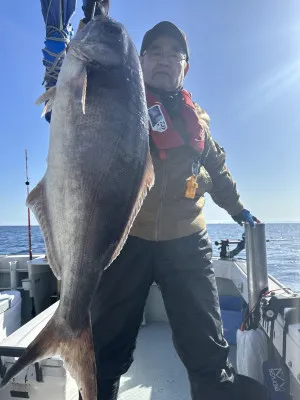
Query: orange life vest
[[162, 130]]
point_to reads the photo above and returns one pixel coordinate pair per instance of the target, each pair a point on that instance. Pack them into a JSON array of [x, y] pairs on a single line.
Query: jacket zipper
[[160, 203]]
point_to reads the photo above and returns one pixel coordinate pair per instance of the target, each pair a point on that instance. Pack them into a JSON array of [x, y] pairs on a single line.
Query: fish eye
[[113, 29]]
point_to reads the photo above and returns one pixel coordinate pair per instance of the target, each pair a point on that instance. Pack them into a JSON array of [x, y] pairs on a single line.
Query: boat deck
[[157, 372]]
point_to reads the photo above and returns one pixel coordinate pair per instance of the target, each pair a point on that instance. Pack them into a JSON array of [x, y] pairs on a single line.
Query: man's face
[[163, 63]]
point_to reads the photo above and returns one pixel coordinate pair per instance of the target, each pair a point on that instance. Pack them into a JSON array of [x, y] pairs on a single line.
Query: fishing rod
[[28, 209]]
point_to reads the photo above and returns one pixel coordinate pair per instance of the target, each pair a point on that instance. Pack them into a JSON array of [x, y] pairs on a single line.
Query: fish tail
[[76, 350], [79, 357]]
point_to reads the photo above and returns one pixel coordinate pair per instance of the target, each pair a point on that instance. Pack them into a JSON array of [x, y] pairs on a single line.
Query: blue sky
[[245, 71]]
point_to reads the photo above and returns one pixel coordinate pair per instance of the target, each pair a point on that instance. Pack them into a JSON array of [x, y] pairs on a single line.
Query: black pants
[[182, 269]]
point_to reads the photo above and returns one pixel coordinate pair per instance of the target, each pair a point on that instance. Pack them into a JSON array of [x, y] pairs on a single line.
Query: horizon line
[[208, 223]]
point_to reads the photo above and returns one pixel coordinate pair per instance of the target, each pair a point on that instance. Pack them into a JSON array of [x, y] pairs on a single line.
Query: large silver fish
[[99, 170]]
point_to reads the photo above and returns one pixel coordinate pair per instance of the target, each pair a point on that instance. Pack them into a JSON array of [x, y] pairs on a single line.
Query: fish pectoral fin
[[37, 202], [84, 87], [146, 185], [79, 89], [76, 350]]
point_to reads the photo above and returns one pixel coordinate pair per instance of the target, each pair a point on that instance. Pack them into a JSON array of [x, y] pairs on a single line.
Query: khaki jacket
[[166, 214]]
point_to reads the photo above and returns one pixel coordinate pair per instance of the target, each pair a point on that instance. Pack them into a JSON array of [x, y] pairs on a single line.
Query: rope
[[56, 44]]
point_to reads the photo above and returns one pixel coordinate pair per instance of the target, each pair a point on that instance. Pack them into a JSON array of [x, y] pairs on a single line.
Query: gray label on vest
[[157, 119]]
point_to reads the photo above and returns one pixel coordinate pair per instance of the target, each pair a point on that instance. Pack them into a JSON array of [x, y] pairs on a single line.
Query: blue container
[[232, 312]]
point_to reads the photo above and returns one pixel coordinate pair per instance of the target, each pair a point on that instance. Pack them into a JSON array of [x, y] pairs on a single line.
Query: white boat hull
[[157, 373]]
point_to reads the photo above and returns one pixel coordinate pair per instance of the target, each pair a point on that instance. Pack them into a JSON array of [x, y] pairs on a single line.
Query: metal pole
[[28, 210], [13, 274], [257, 271]]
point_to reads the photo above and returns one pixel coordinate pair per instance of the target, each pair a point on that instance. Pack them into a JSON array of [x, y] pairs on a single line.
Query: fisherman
[[169, 243]]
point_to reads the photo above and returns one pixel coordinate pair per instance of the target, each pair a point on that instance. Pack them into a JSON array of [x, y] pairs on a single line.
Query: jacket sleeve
[[224, 192]]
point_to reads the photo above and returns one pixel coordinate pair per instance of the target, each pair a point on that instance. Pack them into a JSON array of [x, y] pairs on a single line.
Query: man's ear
[[187, 67]]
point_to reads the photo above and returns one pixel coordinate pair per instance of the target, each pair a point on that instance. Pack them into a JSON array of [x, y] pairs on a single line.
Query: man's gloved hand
[[245, 216]]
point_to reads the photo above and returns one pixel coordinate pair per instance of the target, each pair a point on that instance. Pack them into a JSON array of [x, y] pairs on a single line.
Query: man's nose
[[164, 60]]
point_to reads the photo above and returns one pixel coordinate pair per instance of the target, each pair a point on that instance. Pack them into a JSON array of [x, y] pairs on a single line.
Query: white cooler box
[[10, 313], [47, 380]]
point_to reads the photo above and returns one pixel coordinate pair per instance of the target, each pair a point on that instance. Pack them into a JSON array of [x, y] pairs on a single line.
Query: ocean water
[[283, 249]]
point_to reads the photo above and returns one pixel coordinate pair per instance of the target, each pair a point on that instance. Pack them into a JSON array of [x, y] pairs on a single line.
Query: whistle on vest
[[191, 187]]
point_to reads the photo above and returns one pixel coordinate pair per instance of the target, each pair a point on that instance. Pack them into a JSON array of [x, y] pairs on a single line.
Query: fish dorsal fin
[[147, 183], [37, 202]]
